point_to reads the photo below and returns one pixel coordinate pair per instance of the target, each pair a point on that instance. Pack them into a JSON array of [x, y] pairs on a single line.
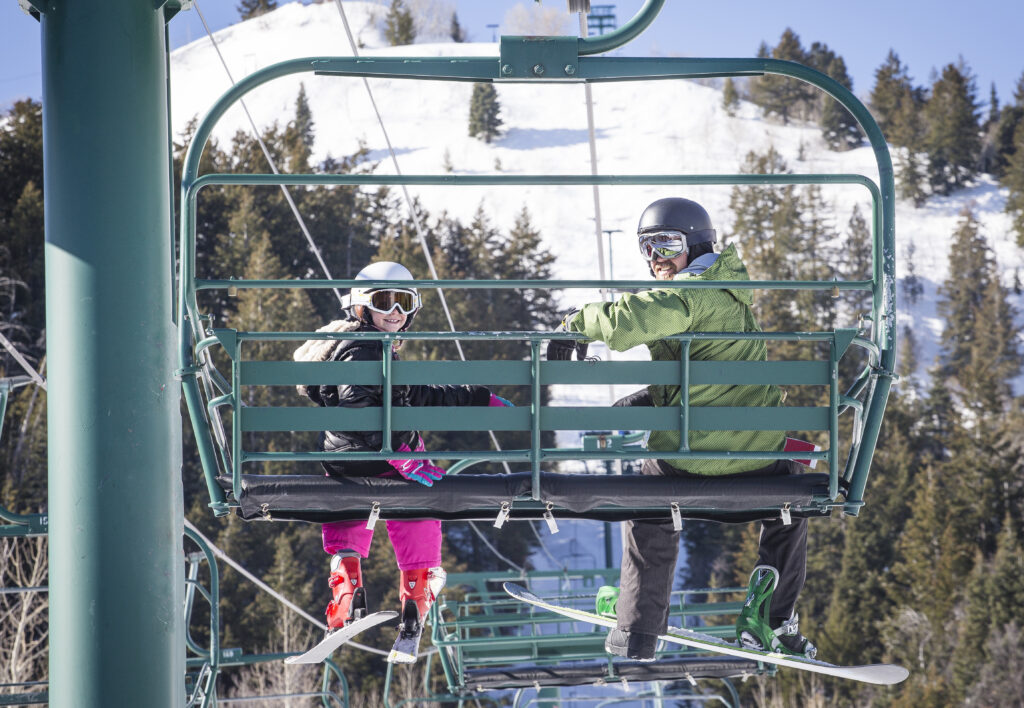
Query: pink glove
[[498, 401], [422, 471]]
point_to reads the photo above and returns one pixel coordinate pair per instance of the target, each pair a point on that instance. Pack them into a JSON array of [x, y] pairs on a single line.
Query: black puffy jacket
[[357, 396]]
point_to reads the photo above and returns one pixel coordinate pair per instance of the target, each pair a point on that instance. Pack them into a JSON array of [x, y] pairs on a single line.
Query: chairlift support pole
[[115, 495]]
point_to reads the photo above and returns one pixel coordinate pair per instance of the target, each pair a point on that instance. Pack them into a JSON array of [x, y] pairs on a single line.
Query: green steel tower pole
[[115, 496]]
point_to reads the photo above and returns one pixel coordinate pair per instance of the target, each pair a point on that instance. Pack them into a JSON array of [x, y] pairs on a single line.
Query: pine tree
[[891, 85], [399, 25], [524, 258], [952, 138], [247, 9], [730, 97], [21, 221], [855, 263], [1000, 681], [456, 32], [999, 140], [781, 95], [484, 112], [838, 126], [974, 629], [857, 602], [908, 363], [979, 358], [767, 228], [931, 563], [298, 136], [1007, 589], [992, 648], [911, 285], [979, 350], [813, 255], [993, 105], [1013, 180], [908, 131], [23, 456]]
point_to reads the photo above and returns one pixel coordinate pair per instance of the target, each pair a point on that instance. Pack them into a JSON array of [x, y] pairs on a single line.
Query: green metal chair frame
[[539, 60], [487, 629]]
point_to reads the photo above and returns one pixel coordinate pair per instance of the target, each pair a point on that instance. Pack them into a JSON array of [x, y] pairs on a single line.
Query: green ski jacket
[[650, 316]]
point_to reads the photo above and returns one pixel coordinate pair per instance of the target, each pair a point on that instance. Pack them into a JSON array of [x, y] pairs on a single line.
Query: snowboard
[[340, 636], [882, 674]]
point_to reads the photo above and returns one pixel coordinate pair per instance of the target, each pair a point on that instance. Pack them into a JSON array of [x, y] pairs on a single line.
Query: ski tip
[[400, 657], [518, 591], [888, 674]]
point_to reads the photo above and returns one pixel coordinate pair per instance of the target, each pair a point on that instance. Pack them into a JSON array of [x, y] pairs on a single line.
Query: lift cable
[[21, 360]]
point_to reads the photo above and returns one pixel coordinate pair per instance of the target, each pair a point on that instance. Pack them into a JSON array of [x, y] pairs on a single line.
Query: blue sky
[[927, 34]]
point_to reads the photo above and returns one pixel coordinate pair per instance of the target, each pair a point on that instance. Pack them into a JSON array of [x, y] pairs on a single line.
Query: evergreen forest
[[930, 575]]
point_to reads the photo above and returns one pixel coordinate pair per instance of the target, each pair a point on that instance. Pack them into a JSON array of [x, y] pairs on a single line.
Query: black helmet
[[678, 214]]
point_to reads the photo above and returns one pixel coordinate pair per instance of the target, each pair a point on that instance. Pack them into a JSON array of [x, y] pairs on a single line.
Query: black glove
[[562, 349], [638, 398]]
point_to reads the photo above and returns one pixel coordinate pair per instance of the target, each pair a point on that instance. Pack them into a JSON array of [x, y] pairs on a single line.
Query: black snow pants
[[652, 547]]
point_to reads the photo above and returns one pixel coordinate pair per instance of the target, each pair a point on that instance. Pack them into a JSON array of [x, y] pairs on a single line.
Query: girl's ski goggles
[[663, 244], [384, 301]]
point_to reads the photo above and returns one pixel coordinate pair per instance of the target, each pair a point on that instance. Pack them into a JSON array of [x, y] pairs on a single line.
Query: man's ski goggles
[[662, 244], [384, 301]]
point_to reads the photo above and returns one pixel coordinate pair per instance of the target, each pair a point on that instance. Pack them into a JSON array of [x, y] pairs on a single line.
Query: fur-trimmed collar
[[322, 349]]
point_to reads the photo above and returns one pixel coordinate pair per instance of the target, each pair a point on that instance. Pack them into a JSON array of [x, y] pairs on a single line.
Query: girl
[[417, 544]]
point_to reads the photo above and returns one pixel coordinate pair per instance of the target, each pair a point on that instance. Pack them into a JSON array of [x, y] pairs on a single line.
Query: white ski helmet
[[384, 299]]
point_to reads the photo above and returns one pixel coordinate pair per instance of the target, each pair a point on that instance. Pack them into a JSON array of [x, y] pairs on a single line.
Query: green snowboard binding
[[753, 626], [607, 597]]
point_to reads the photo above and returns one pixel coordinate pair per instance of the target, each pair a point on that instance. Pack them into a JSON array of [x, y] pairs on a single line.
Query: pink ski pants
[[417, 543]]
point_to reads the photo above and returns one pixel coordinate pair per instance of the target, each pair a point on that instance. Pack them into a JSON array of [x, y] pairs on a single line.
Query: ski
[[339, 637], [406, 647], [882, 674]]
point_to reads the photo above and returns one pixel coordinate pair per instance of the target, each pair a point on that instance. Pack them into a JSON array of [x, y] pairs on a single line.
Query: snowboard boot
[[349, 597], [417, 593], [756, 629], [638, 646]]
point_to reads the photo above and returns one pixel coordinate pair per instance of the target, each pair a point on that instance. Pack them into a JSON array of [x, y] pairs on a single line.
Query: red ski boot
[[419, 589], [349, 596]]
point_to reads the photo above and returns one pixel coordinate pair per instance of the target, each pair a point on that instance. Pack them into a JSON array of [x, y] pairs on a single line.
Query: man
[[677, 240]]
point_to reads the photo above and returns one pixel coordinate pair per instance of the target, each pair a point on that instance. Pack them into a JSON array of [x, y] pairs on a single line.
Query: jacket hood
[[322, 349], [727, 266]]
